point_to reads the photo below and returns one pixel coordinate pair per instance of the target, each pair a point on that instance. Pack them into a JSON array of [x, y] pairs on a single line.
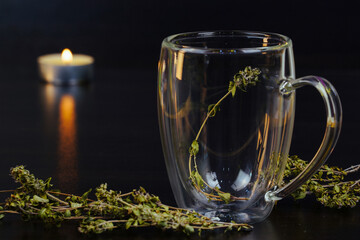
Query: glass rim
[[284, 41]]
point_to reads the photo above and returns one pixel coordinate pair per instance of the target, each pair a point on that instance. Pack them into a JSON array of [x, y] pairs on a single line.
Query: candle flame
[[66, 56]]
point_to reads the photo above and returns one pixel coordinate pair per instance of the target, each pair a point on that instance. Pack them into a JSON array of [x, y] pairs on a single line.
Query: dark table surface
[[107, 132]]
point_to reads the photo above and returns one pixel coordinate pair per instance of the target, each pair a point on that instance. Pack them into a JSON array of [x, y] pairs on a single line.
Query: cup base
[[254, 214]]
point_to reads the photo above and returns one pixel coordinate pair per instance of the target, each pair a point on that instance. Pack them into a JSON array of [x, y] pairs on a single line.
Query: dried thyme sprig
[[328, 185], [35, 199], [242, 80]]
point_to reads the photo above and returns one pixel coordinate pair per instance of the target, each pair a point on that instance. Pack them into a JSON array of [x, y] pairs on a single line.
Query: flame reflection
[[67, 165], [61, 137], [265, 41], [179, 62]]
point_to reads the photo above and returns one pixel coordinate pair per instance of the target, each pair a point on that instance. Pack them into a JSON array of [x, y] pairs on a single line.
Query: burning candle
[[66, 68]]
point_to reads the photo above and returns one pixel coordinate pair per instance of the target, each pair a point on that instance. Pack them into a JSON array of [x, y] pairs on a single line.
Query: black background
[[129, 32], [117, 134]]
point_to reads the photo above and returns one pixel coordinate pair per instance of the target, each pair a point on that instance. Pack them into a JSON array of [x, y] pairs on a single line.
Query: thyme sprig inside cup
[[242, 80]]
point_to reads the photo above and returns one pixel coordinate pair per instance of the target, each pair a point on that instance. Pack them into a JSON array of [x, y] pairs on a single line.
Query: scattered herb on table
[[35, 199], [328, 185]]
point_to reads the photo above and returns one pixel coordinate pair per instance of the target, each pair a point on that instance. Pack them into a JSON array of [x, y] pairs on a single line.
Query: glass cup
[[234, 169]]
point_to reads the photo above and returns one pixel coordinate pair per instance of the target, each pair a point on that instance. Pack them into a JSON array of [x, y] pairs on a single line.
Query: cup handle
[[333, 126]]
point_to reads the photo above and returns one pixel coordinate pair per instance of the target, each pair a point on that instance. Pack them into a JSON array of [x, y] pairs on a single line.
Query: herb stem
[[56, 199], [82, 217], [209, 114], [355, 183], [6, 191], [9, 211], [351, 169], [213, 197]]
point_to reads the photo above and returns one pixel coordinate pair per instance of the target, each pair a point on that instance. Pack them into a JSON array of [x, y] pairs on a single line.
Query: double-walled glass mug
[[236, 171]]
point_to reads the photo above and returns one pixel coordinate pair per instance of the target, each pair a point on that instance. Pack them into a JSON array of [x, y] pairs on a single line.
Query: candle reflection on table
[[60, 127], [67, 165]]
